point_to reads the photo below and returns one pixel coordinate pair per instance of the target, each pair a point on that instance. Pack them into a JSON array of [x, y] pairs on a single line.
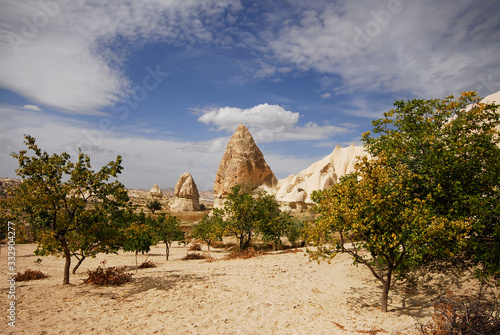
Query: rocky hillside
[[7, 184]]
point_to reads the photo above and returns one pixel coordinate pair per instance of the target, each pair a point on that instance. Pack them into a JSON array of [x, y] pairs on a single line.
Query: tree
[[451, 146], [99, 232], [58, 196], [154, 205], [140, 235], [210, 228], [374, 210], [296, 231], [168, 229], [242, 216], [274, 224]]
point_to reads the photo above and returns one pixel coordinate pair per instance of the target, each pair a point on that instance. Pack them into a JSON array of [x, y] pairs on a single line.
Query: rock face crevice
[[242, 163], [187, 197]]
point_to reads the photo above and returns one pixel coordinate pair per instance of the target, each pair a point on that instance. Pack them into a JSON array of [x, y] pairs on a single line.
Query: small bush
[[247, 253], [195, 247], [455, 315], [31, 275], [222, 245], [147, 264], [108, 276], [194, 255]]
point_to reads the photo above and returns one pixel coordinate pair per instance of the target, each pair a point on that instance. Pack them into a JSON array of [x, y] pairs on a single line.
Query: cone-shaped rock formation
[[187, 197], [243, 163]]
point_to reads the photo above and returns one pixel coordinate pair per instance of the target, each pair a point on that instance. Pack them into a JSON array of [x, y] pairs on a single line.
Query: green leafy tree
[[210, 228], [375, 210], [99, 232], [295, 230], [248, 214], [451, 146], [168, 229], [273, 224], [241, 216], [140, 235], [58, 197], [154, 205]]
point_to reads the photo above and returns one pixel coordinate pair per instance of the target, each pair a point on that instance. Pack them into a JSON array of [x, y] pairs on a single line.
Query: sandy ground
[[280, 293]]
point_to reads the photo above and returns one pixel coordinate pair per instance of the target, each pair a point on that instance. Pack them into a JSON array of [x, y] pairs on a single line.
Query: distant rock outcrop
[[294, 192], [243, 163], [155, 192], [8, 184], [187, 197]]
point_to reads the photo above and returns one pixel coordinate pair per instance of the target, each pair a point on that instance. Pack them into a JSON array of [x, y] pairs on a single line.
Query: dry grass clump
[[222, 245], [195, 255], [147, 264], [454, 315], [195, 247], [108, 276], [245, 254], [30, 275], [293, 251]]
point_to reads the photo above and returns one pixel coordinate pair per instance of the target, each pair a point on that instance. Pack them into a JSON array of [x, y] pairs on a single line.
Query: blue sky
[[164, 84]]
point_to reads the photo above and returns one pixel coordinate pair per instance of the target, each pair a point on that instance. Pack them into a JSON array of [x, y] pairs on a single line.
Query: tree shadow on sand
[[413, 296], [139, 286]]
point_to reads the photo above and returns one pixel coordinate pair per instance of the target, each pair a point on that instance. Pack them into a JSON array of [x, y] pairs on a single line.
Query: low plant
[[31, 275], [245, 254], [460, 315], [195, 247], [222, 245], [147, 264], [194, 255], [108, 276]]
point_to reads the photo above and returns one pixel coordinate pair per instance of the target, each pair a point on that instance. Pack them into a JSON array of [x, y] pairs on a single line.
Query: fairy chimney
[[243, 163], [187, 197], [155, 192]]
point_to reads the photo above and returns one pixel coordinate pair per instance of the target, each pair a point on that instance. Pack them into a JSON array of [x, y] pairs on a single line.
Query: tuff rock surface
[[242, 163]]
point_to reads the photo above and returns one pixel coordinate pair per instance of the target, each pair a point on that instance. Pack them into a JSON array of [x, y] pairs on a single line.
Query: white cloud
[[58, 54], [423, 47], [32, 107], [325, 96], [269, 123], [146, 161]]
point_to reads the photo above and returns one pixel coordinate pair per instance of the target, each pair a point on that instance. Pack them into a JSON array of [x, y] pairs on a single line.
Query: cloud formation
[[58, 53], [146, 161], [269, 123], [33, 108], [422, 47]]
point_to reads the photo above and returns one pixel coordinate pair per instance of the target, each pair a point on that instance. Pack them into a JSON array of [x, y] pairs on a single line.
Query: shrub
[[108, 276], [147, 264], [195, 247], [154, 205], [245, 254], [194, 255], [222, 245], [456, 315], [31, 275]]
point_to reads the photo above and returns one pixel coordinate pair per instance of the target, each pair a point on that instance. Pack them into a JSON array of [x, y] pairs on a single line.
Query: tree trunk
[[247, 242], [136, 267], [67, 256], [167, 250], [241, 244], [385, 290], [78, 264], [208, 245]]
